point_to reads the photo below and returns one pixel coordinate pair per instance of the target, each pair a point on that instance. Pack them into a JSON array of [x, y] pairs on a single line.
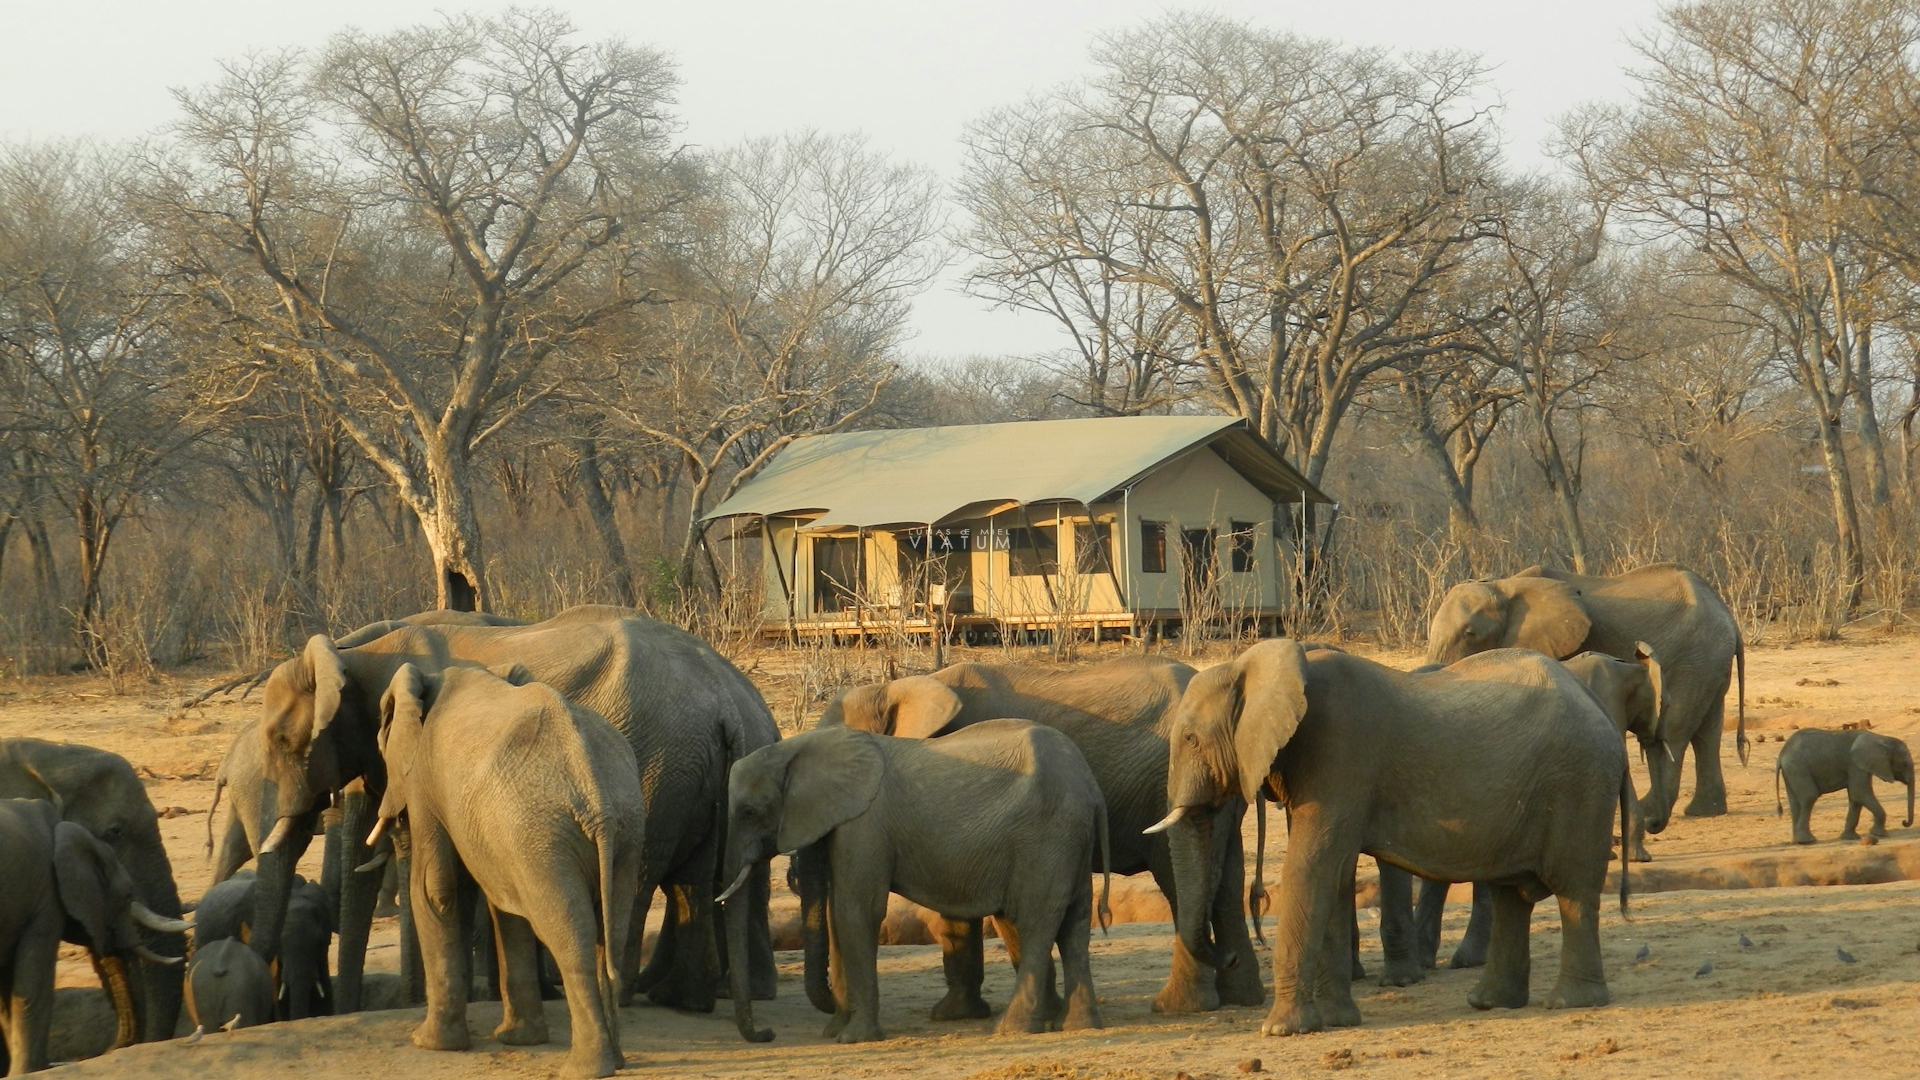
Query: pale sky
[[909, 75]]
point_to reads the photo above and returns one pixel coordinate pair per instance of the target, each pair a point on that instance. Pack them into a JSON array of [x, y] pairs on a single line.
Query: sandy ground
[[1785, 1005]]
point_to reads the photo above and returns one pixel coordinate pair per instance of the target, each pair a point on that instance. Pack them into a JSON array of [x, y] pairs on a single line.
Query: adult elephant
[[1501, 768], [1666, 606], [686, 711], [98, 791], [1117, 713]]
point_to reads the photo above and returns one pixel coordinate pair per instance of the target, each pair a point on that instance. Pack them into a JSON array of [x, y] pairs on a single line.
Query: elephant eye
[[1192, 739], [112, 834]]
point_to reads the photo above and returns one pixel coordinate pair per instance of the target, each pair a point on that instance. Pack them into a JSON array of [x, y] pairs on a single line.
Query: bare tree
[[415, 224]]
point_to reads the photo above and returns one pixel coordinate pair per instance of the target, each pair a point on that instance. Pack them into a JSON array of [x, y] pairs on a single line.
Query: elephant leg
[[963, 960], [358, 892], [1583, 980], [1051, 1004], [632, 976], [234, 851], [1029, 1008], [1401, 966], [1429, 911], [1709, 786], [1333, 988], [1637, 833], [1800, 800], [443, 942], [1472, 950], [1076, 970], [855, 915], [522, 1021], [28, 1007], [413, 983], [1503, 985], [1191, 986], [1860, 797], [692, 964], [1355, 969], [573, 937], [1239, 984], [1308, 898]]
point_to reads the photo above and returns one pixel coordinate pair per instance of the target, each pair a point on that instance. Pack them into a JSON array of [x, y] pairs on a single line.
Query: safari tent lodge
[[1117, 525]]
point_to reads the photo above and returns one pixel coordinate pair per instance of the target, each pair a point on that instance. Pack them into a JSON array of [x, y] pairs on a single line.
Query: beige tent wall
[[1201, 491]]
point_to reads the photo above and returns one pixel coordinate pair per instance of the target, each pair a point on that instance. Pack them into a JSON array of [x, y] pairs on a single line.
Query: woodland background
[[448, 317]]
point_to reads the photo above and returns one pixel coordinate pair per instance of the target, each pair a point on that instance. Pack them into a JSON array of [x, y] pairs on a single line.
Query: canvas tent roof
[[926, 475]]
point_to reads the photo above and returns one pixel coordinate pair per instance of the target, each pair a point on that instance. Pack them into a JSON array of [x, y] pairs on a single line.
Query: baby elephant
[[1815, 762], [997, 819], [539, 800], [229, 985]]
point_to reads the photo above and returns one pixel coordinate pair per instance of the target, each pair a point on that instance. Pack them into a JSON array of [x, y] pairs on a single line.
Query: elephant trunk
[[1909, 820], [1663, 790], [738, 911], [113, 976], [357, 897], [811, 875], [155, 988], [1190, 844]]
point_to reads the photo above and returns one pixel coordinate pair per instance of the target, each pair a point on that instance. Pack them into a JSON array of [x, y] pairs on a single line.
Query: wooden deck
[[881, 622]]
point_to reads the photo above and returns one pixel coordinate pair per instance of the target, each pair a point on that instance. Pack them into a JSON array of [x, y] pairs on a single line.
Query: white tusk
[[737, 882], [152, 957], [281, 830], [199, 1032], [231, 1024], [1166, 823], [379, 827], [145, 917]]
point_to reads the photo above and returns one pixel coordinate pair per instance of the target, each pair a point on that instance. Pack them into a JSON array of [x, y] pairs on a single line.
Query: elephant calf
[[228, 984], [1815, 762], [998, 819], [539, 800]]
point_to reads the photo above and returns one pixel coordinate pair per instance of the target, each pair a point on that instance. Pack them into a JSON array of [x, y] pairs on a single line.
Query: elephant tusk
[[145, 917], [377, 862], [738, 881], [199, 1033], [1166, 823], [373, 837], [281, 830], [152, 957]]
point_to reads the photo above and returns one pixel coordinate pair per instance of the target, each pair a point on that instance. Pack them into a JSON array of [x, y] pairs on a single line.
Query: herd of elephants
[[557, 774]]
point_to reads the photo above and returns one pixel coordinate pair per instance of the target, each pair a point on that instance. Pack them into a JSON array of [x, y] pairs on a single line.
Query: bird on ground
[[1706, 969], [1745, 941], [1646, 950], [1843, 955]]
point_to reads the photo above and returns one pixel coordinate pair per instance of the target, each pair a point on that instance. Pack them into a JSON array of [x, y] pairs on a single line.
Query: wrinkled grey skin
[[1630, 692], [227, 910], [1117, 713], [1500, 769], [99, 791], [686, 712], [1815, 762], [62, 884], [1668, 607], [1002, 818], [228, 984], [539, 801]]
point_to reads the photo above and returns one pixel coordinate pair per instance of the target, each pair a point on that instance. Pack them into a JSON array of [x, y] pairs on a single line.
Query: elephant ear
[[832, 777], [1544, 615], [81, 873], [403, 709], [1643, 655], [919, 707], [1270, 700], [1873, 755], [322, 667]]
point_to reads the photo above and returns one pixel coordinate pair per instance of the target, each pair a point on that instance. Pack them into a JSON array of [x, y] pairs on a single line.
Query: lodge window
[[1034, 552], [836, 572], [1153, 547], [1242, 540], [1093, 547]]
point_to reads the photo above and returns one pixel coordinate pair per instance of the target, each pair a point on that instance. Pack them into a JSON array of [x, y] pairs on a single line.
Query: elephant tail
[[219, 782], [1257, 892], [1778, 811], [1106, 871], [609, 910], [1740, 699], [1626, 836]]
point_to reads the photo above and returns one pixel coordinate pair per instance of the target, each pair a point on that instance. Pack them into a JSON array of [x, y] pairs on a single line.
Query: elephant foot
[[1707, 805], [1359, 970], [850, 1031], [961, 1005], [1579, 995], [1501, 996], [687, 995], [1402, 973], [585, 1064], [1185, 996], [1241, 986], [443, 1035], [763, 984], [1083, 1015], [1849, 834], [1804, 839], [1033, 1022], [522, 1031], [1469, 954], [1302, 1020]]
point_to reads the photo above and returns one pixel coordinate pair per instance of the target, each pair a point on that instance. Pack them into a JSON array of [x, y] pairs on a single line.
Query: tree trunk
[[452, 531], [1846, 515], [1872, 445], [600, 508]]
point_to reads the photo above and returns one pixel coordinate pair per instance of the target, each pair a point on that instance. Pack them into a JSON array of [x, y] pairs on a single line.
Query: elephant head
[[916, 707], [100, 792], [788, 797], [1888, 760], [96, 894], [1539, 613], [1229, 728], [403, 713]]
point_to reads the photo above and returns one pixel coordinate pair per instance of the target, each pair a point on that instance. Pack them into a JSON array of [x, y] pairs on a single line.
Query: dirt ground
[[1784, 1005]]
